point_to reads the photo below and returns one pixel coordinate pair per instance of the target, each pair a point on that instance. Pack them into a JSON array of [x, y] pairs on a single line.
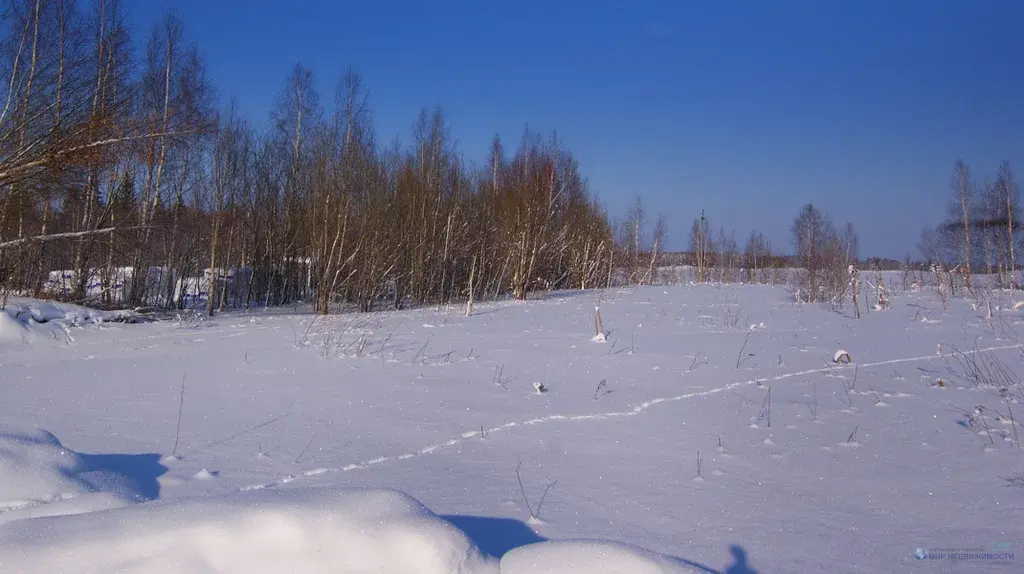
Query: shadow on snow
[[138, 473], [497, 536]]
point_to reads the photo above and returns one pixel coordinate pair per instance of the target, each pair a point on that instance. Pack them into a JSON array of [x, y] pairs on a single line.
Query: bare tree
[[633, 231], [728, 256], [658, 236], [850, 245], [1004, 216], [960, 210], [701, 246], [812, 233], [757, 253]]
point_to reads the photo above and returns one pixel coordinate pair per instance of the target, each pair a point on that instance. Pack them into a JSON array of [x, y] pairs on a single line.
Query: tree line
[[982, 229], [123, 183]]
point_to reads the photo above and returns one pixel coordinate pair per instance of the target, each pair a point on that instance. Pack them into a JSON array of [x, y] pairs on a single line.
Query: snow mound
[[40, 477], [301, 530], [593, 557], [56, 517], [23, 319], [12, 330], [46, 311]]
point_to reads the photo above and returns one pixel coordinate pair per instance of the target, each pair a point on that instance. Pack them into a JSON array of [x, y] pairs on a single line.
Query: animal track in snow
[[637, 409]]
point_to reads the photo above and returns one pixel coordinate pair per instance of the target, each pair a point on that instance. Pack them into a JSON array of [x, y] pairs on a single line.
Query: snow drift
[[22, 320], [570, 557], [57, 516], [40, 477], [311, 531], [12, 330]]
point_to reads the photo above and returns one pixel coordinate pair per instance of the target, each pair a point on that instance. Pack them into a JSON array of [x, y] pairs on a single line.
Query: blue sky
[[746, 110]]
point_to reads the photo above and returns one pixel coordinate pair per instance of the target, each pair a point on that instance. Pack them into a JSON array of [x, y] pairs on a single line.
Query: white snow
[[12, 330], [40, 477], [309, 531], [284, 416], [573, 557]]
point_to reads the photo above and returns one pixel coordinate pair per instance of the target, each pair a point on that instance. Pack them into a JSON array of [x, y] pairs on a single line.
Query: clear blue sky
[[744, 109]]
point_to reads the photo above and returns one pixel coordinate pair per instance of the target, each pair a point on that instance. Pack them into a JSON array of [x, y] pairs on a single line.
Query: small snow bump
[[205, 474]]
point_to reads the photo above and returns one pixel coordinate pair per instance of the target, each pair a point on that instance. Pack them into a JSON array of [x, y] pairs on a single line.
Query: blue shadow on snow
[[136, 472], [496, 536]]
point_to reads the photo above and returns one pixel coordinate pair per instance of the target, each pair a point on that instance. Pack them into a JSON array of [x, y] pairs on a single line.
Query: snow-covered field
[[710, 432]]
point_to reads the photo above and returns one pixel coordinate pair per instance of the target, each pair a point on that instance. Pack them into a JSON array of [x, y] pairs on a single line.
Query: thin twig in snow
[[1013, 426], [498, 372], [422, 349], [877, 400], [988, 431], [853, 435], [522, 490], [305, 449], [181, 407], [700, 356], [766, 408], [831, 370], [739, 356], [846, 389], [813, 405]]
